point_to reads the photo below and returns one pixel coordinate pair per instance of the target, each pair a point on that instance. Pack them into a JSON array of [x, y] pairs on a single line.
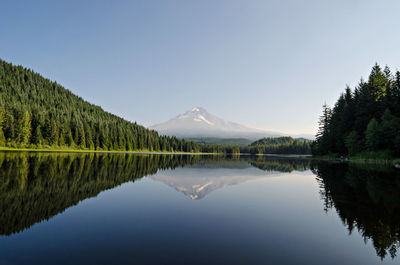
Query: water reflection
[[366, 198], [199, 180], [37, 186], [213, 173]]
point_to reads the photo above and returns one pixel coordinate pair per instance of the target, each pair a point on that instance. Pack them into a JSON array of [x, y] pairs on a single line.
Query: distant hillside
[[272, 145], [281, 145], [37, 112], [278, 140], [273, 140], [221, 141]]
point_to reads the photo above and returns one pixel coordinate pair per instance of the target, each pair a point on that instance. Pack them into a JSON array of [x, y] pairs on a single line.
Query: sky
[[265, 64]]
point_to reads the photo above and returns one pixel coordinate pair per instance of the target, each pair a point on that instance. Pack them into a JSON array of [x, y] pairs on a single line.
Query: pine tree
[[390, 128], [24, 129], [70, 139], [37, 137], [373, 135], [82, 138], [323, 134]]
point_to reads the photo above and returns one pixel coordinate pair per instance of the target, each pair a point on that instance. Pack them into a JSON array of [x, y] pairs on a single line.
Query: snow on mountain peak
[[201, 118]]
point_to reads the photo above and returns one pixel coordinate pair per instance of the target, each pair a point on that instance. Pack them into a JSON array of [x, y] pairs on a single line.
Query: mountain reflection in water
[[38, 186], [197, 181]]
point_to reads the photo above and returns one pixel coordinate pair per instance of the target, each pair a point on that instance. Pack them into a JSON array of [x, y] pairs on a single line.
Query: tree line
[[271, 145], [366, 119], [36, 112]]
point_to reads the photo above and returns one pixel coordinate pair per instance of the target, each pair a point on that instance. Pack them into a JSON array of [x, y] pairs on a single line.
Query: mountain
[[198, 122], [36, 112]]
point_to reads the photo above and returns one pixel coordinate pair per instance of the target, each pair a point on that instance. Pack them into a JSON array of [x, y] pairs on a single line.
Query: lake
[[180, 209]]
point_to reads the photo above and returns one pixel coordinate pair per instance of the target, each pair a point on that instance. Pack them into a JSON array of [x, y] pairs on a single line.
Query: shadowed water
[[174, 209]]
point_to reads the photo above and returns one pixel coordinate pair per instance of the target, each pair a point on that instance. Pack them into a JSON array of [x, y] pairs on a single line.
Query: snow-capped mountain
[[198, 122]]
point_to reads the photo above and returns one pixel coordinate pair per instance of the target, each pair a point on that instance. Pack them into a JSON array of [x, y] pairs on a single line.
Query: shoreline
[[360, 160], [61, 150]]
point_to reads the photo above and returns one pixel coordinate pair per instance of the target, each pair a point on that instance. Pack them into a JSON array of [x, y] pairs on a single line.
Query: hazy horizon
[[264, 64]]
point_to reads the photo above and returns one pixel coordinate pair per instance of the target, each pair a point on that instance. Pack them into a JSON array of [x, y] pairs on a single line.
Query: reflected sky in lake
[[130, 209]]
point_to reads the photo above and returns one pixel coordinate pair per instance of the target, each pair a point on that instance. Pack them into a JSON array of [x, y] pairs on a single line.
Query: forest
[[36, 112], [364, 120], [270, 145]]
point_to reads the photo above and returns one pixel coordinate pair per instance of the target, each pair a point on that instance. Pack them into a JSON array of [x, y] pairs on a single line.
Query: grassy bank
[[380, 157], [71, 150]]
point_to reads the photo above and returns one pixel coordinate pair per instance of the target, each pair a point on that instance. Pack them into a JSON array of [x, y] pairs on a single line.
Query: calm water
[[163, 209]]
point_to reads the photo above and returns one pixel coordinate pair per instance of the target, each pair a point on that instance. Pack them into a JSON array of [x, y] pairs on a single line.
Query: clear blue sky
[[266, 64]]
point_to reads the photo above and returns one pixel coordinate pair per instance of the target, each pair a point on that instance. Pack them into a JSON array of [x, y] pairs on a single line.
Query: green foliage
[[221, 141], [280, 145], [273, 140], [222, 149], [366, 119], [373, 156], [373, 135], [353, 143], [36, 112]]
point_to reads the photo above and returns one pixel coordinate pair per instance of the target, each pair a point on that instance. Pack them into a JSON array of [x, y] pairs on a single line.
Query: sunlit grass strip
[[67, 150]]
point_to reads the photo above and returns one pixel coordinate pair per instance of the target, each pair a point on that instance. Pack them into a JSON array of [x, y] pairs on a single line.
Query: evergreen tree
[[37, 137], [353, 143], [373, 135], [24, 129], [390, 128]]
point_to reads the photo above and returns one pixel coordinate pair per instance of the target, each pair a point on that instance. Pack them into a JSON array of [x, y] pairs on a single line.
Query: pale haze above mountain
[[198, 122]]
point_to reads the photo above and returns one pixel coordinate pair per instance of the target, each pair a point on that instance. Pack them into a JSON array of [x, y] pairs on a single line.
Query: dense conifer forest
[[38, 113], [364, 120]]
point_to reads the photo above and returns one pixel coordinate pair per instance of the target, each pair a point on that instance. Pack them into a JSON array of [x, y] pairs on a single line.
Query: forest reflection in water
[[366, 198], [38, 186]]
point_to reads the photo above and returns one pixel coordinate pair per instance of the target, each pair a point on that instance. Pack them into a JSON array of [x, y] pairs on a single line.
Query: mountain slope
[[36, 112], [198, 122], [220, 141], [279, 140]]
